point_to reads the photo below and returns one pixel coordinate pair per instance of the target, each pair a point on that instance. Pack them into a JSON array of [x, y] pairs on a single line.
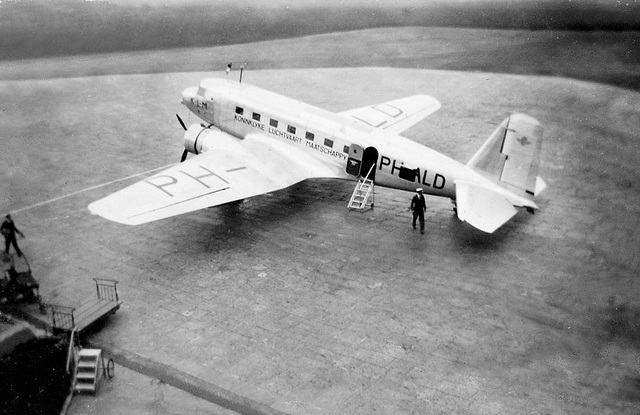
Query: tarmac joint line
[[188, 383]]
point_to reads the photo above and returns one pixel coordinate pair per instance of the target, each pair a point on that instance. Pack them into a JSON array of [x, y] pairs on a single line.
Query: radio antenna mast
[[242, 70]]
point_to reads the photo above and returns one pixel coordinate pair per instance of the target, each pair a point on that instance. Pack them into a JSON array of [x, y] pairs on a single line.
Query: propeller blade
[[184, 155], [181, 123]]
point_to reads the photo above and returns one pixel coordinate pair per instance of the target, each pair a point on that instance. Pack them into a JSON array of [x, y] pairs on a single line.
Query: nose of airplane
[[188, 94]]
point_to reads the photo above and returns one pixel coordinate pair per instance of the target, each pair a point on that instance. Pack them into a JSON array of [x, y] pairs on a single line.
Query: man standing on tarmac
[[9, 231], [418, 206]]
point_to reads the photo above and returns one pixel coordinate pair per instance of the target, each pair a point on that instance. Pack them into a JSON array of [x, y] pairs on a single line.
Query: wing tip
[[99, 209]]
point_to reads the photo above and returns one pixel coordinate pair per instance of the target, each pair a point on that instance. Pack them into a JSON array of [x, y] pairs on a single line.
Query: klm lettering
[[247, 121]]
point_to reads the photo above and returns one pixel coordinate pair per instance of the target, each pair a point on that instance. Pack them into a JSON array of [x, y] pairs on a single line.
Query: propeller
[[185, 153], [181, 123]]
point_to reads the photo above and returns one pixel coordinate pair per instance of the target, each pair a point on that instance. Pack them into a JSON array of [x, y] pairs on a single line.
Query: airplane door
[[369, 159], [355, 160]]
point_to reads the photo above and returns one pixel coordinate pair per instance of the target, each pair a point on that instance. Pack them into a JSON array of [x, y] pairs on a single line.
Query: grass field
[[605, 57], [39, 28]]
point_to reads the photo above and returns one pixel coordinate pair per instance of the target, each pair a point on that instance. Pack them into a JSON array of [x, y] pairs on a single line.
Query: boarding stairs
[[363, 191], [87, 369], [89, 364]]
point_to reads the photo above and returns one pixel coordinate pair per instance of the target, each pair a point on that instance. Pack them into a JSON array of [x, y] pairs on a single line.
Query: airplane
[[253, 141]]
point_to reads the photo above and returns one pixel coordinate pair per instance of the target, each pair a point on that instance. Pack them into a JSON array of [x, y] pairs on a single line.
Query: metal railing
[[369, 172], [106, 289], [62, 317]]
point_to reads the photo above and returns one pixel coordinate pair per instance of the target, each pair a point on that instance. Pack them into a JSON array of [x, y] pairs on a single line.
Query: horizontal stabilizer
[[483, 208]]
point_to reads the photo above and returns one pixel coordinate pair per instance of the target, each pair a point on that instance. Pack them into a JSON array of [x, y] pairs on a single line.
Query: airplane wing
[[396, 116], [230, 170]]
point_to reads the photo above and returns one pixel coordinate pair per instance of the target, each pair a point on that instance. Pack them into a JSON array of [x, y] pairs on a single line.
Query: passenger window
[[273, 123], [309, 136], [346, 149], [291, 129], [256, 116], [328, 143], [239, 110]]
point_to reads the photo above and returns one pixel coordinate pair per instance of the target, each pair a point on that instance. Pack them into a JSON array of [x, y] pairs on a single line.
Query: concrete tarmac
[[130, 392], [291, 303]]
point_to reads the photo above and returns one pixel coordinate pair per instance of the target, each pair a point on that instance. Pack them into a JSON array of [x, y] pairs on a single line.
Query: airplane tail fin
[[511, 156]]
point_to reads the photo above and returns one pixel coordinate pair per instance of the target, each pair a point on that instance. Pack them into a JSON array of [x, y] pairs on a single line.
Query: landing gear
[[454, 206], [109, 369]]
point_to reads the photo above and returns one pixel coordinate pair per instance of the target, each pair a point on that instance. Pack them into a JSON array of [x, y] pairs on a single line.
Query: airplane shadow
[[239, 225], [466, 236], [244, 223]]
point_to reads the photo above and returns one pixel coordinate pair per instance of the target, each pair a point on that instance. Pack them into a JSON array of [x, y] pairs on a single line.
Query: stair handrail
[[370, 170], [74, 334]]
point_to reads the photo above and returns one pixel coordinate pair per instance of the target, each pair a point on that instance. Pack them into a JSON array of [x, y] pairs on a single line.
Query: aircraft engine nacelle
[[198, 139]]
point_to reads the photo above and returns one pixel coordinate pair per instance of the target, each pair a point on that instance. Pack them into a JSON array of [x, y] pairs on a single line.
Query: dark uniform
[[418, 206], [9, 231]]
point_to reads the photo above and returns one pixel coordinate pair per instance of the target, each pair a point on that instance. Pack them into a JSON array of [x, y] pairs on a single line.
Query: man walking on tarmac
[[418, 206], [9, 231]]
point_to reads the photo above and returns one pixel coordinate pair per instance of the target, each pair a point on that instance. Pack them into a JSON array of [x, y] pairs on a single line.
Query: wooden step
[[89, 352], [86, 376], [85, 388]]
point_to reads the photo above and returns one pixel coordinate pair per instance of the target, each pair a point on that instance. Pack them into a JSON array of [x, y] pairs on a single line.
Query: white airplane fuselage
[[241, 109], [253, 142]]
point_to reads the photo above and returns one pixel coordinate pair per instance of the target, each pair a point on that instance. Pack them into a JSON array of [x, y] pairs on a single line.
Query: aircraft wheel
[[111, 369]]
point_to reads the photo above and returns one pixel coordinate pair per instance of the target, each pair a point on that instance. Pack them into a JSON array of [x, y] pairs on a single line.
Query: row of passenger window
[[290, 128]]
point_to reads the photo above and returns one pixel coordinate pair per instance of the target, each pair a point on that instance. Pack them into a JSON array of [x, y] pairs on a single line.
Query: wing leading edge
[[231, 170]]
